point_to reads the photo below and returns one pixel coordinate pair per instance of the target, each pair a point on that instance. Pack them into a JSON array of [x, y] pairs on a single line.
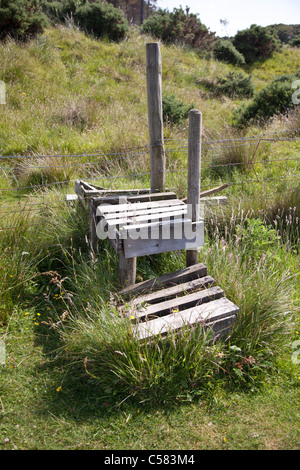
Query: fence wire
[[23, 177]]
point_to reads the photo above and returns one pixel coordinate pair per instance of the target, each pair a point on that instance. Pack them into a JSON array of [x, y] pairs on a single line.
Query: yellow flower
[[131, 316], [38, 314], [36, 323], [58, 389], [26, 313]]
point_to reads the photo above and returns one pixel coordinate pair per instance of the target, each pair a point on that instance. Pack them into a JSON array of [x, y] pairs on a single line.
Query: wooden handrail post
[[194, 175], [155, 116]]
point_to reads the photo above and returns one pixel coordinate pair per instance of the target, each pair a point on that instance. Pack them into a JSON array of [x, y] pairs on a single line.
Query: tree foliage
[[179, 26], [256, 42], [274, 99], [225, 51], [21, 19]]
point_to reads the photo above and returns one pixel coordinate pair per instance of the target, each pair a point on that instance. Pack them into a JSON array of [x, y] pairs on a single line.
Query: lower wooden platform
[[185, 297]]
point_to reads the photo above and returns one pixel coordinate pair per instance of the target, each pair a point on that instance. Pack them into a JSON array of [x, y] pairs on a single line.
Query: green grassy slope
[[69, 93]]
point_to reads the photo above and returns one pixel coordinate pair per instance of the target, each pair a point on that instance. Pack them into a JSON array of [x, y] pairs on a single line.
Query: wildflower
[[58, 389], [26, 313], [38, 314], [36, 323], [132, 317]]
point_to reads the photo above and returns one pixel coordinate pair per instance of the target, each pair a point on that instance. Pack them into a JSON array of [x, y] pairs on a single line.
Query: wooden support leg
[[93, 235], [127, 270], [192, 257]]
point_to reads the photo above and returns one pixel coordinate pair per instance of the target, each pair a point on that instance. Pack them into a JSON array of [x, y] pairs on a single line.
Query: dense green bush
[[102, 19], [295, 42], [274, 99], [235, 85], [225, 51], [21, 19], [98, 18], [256, 42], [174, 110], [180, 27]]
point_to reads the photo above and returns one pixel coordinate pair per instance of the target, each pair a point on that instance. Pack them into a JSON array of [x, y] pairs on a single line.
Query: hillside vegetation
[[74, 377], [69, 93]]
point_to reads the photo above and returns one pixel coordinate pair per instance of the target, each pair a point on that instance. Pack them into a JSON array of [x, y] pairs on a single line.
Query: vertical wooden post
[[93, 234], [155, 116], [194, 175], [127, 271]]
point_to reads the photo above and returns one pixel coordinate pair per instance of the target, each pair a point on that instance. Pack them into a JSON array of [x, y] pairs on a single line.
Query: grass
[[74, 376]]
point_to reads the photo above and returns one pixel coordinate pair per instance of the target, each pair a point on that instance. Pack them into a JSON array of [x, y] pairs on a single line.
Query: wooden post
[[127, 271], [93, 234], [155, 116], [194, 175]]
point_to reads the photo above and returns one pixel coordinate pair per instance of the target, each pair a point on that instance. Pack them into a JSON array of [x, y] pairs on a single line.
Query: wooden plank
[[71, 197], [222, 326], [144, 212], [106, 209], [165, 237], [208, 312], [177, 277], [138, 198], [178, 303], [171, 292], [147, 218]]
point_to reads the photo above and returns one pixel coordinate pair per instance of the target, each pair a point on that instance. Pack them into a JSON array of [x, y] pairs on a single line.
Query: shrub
[[98, 18], [21, 19], [174, 110], [180, 27], [256, 42], [225, 51], [102, 19], [235, 85], [274, 99], [295, 42]]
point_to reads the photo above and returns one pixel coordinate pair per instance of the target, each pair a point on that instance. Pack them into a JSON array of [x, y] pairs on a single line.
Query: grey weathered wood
[[71, 197], [161, 238], [142, 219], [92, 226], [155, 116], [178, 303], [204, 314], [135, 206], [177, 277], [194, 174], [127, 270], [171, 292], [137, 198], [144, 212]]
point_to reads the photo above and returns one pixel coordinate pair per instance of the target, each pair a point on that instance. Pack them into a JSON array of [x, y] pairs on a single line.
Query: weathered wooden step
[[217, 314], [171, 292], [177, 303], [177, 277]]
